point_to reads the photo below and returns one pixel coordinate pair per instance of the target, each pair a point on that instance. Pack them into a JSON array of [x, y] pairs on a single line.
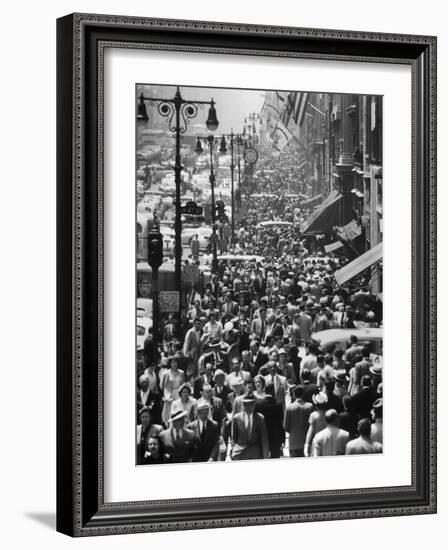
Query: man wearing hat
[[376, 370], [331, 440], [235, 396], [316, 420], [180, 443], [376, 432], [207, 433], [363, 444], [214, 352], [146, 428], [248, 433]]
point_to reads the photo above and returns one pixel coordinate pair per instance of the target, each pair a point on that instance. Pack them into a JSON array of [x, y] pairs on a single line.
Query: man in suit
[[145, 397], [256, 356], [305, 324], [229, 308], [331, 440], [248, 433], [220, 389], [363, 400], [246, 364], [206, 377], [258, 325], [146, 428], [207, 433], [296, 422], [276, 384], [180, 443], [217, 411], [192, 343]]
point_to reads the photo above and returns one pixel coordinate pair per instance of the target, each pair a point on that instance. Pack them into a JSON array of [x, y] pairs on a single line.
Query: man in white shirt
[[363, 444], [237, 372], [310, 360], [331, 440]]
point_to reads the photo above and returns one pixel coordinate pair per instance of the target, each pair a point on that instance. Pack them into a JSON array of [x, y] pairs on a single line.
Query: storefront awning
[[311, 201], [361, 263], [325, 217], [333, 246], [349, 232]]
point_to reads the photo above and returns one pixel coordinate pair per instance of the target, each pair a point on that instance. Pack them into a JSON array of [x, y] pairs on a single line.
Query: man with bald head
[[331, 440]]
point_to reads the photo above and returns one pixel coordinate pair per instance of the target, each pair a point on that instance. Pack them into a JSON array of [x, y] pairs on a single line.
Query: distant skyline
[[232, 105]]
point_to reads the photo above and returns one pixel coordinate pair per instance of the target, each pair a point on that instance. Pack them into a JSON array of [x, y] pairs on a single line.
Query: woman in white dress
[[170, 385], [185, 403]]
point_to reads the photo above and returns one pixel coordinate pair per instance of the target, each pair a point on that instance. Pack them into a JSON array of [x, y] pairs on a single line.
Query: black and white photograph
[[259, 274]]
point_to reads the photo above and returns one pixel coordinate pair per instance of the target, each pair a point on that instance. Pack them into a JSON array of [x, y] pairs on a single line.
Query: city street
[[259, 277]]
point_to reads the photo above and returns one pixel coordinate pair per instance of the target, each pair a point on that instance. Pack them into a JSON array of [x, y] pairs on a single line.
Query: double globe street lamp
[[179, 112], [214, 238]]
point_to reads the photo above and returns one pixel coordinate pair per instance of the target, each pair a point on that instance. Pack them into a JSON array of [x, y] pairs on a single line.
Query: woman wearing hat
[[170, 385], [186, 402], [317, 420]]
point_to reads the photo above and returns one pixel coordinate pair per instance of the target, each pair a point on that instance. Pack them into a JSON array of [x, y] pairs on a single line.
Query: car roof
[[339, 334]]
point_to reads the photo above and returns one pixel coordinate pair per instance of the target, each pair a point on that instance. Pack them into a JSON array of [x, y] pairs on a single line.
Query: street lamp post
[[223, 150], [178, 111], [239, 143], [212, 179]]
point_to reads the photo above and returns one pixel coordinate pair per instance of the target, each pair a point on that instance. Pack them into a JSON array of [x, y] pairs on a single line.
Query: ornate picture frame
[[81, 508]]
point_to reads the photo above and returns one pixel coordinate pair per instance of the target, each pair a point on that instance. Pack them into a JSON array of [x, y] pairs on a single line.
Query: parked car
[[143, 326], [339, 338], [203, 233], [144, 307]]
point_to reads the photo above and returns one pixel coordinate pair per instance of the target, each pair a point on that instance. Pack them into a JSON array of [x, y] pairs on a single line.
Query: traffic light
[[220, 210], [155, 249], [238, 198]]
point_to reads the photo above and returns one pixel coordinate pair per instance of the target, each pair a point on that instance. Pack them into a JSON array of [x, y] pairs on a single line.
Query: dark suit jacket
[[261, 360], [362, 402], [273, 417], [308, 391], [218, 411], [223, 393], [208, 445], [152, 398], [249, 445], [198, 385], [182, 451]]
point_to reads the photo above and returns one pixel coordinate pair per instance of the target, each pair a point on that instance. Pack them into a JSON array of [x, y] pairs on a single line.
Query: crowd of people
[[240, 375]]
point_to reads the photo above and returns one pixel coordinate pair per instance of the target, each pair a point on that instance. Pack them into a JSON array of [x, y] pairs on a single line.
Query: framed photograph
[[246, 275]]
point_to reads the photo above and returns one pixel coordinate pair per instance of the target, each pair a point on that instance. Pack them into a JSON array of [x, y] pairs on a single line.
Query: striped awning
[[358, 265], [333, 246], [349, 232], [325, 217]]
